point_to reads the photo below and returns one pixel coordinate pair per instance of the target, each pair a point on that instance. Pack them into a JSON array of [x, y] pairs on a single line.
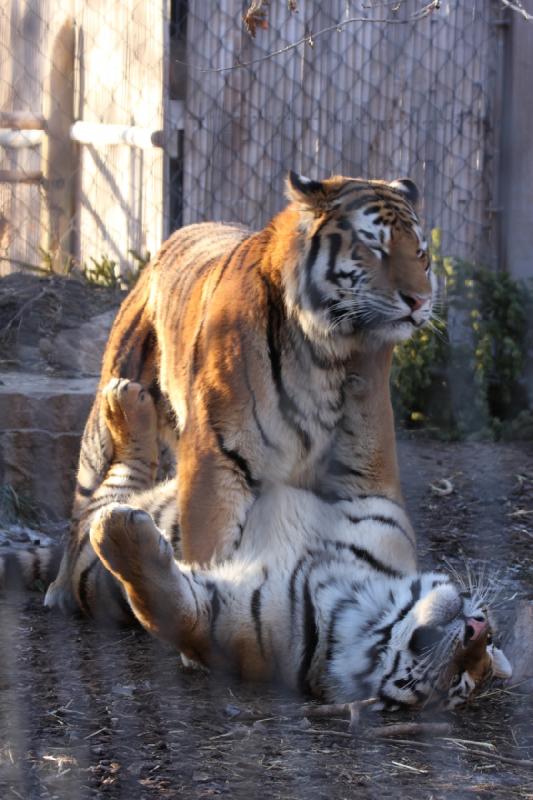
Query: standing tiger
[[324, 598], [269, 355]]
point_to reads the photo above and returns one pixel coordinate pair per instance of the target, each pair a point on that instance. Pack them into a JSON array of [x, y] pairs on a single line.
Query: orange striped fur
[[268, 355]]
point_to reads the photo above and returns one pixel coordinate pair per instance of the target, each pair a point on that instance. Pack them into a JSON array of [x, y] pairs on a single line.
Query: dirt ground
[[89, 713]]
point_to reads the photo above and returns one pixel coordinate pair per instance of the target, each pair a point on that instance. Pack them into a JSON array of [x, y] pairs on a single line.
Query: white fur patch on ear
[[304, 190], [408, 188], [501, 668]]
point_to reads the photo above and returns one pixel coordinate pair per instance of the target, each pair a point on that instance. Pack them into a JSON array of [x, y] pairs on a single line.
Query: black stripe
[[255, 610], [325, 362], [195, 359], [383, 520], [385, 631], [368, 558], [233, 455], [335, 242], [373, 562], [239, 461], [310, 632], [338, 609], [146, 350], [116, 593], [264, 438], [98, 503], [175, 535], [331, 497], [286, 405], [141, 469], [339, 469], [129, 485], [215, 610], [122, 354], [226, 265], [238, 540], [80, 489], [388, 675], [292, 587], [314, 295], [82, 587]]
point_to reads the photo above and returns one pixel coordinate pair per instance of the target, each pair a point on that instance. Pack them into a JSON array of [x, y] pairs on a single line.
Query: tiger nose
[[414, 301], [474, 629]]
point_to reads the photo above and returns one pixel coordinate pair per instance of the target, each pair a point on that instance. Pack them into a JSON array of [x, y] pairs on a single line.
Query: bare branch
[[309, 38], [519, 8]]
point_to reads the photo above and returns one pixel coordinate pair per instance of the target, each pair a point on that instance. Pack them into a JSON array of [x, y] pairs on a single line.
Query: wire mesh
[[227, 116]]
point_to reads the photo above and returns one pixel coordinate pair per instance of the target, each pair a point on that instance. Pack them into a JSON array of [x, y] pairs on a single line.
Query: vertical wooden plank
[[24, 28], [517, 166], [58, 152], [121, 81]]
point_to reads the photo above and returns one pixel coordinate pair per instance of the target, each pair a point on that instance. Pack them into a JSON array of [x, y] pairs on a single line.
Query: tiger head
[[362, 268], [443, 651]]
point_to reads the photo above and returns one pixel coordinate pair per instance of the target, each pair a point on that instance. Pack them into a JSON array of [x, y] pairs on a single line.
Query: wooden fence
[[368, 99], [78, 192], [378, 100]]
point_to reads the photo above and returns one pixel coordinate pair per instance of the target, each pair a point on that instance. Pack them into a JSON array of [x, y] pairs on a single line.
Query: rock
[[41, 422], [80, 349]]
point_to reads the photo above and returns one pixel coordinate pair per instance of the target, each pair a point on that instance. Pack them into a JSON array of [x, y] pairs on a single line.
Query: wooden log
[[20, 176], [17, 139], [22, 120]]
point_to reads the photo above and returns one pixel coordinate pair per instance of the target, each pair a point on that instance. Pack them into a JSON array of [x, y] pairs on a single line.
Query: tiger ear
[[310, 194], [408, 188]]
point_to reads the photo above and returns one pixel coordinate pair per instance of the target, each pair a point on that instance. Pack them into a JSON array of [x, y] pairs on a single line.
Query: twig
[[448, 745], [352, 711], [312, 711], [519, 9], [409, 728], [309, 38]]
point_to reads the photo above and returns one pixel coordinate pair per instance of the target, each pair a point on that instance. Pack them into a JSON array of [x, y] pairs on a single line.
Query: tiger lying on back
[[269, 356], [327, 599]]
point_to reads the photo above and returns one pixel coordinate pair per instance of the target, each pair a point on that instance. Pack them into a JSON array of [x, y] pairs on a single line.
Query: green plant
[[463, 373], [106, 272], [55, 262]]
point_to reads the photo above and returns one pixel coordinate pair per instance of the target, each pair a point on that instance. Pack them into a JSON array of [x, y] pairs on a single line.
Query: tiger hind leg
[[131, 423], [169, 602]]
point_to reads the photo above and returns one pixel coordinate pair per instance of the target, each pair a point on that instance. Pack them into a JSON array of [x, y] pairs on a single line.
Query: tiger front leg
[[168, 602], [216, 490]]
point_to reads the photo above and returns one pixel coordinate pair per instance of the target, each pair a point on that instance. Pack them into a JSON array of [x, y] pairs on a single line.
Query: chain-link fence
[[145, 116]]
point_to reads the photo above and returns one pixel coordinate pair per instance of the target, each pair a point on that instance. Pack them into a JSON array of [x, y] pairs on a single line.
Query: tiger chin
[[335, 622]]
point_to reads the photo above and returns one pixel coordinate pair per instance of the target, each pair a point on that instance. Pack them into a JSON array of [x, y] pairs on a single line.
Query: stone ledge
[[41, 423]]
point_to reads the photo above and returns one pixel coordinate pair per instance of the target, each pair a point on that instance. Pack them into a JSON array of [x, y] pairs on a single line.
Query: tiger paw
[[131, 418], [129, 544]]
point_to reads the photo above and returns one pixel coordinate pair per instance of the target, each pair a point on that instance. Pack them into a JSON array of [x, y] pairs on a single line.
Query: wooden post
[[20, 176], [517, 162], [22, 121], [59, 153]]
